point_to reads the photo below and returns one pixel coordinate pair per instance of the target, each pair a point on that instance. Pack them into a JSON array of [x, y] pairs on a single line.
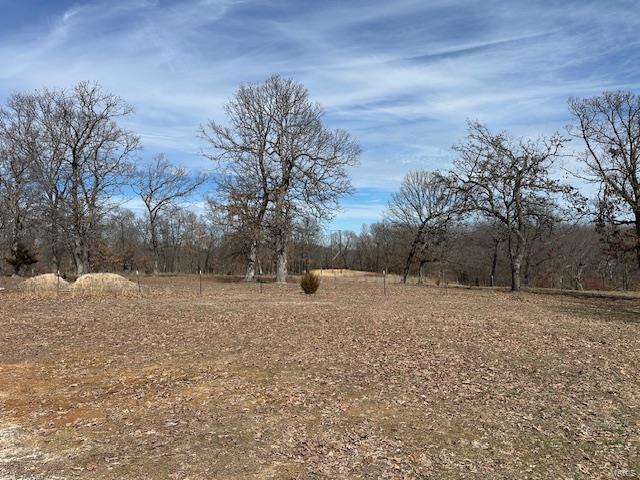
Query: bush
[[310, 282], [21, 257]]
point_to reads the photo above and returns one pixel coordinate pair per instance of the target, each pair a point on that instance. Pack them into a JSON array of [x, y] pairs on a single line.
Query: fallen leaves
[[350, 385]]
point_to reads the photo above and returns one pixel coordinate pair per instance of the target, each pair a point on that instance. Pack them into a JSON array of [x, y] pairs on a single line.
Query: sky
[[402, 76]]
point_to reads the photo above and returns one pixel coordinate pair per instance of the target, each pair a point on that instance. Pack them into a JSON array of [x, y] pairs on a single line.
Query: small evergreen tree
[[20, 257]]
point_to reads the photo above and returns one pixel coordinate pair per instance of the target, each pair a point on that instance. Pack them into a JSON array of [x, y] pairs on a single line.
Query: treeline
[[504, 214]]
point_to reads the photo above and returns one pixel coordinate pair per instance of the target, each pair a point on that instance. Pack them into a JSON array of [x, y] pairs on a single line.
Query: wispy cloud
[[402, 76]]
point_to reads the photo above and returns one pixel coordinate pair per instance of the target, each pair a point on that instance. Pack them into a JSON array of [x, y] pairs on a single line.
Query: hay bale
[[47, 282], [103, 282]]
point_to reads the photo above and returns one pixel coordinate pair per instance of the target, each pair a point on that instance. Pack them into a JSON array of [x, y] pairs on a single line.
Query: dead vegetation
[[45, 283], [91, 283], [422, 383], [102, 283], [310, 282], [343, 273]]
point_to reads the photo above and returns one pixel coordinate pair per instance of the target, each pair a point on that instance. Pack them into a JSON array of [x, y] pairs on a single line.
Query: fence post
[[200, 275], [58, 281], [138, 278]]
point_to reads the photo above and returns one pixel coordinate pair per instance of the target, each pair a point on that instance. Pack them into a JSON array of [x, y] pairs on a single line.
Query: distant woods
[[505, 213]]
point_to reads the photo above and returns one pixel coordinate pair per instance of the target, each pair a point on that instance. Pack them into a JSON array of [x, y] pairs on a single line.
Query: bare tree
[[243, 151], [425, 204], [296, 166], [509, 181], [609, 125], [97, 154], [491, 236], [306, 235], [310, 161], [124, 228], [18, 149], [343, 241], [161, 185], [50, 173]]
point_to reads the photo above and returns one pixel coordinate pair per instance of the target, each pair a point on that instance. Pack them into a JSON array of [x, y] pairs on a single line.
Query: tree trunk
[[637, 222], [252, 257], [15, 246], [494, 262], [281, 233], [421, 271], [154, 246], [516, 263], [55, 258], [281, 258], [412, 253], [516, 255], [80, 257], [578, 277]]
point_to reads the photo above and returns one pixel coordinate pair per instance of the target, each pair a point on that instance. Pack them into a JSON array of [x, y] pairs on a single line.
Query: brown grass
[[343, 272], [422, 383], [345, 275]]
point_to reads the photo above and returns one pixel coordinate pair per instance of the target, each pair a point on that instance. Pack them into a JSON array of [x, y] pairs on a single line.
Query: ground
[[424, 382]]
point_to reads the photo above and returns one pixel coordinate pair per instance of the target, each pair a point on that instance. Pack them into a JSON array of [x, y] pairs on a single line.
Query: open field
[[347, 383]]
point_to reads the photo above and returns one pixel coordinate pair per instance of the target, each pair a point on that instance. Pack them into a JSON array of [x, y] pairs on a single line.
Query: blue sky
[[402, 76]]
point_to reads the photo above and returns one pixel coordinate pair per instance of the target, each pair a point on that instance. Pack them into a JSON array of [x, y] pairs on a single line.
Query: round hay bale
[[47, 282], [103, 282]]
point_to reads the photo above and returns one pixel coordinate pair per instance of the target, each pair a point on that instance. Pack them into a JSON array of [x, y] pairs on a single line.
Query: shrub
[[310, 282], [21, 257]]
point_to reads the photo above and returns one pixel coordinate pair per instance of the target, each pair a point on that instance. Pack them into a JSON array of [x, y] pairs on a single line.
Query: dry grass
[[45, 283], [103, 283], [343, 272], [348, 383], [345, 275]]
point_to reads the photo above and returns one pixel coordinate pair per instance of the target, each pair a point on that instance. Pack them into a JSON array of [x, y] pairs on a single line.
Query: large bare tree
[[294, 164], [242, 150], [510, 181], [50, 173], [97, 155], [162, 185], [424, 205], [19, 140], [609, 125]]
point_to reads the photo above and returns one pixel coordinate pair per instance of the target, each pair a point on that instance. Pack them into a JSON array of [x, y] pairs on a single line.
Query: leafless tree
[[18, 150], [97, 152], [343, 242], [307, 234], [491, 236], [425, 204], [162, 185], [296, 166], [50, 173], [509, 180], [242, 150], [609, 125]]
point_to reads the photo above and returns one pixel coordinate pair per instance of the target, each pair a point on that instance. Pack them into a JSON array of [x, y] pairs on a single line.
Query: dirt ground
[[423, 383]]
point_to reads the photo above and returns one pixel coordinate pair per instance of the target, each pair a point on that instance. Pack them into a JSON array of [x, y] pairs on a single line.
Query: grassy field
[[348, 383]]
